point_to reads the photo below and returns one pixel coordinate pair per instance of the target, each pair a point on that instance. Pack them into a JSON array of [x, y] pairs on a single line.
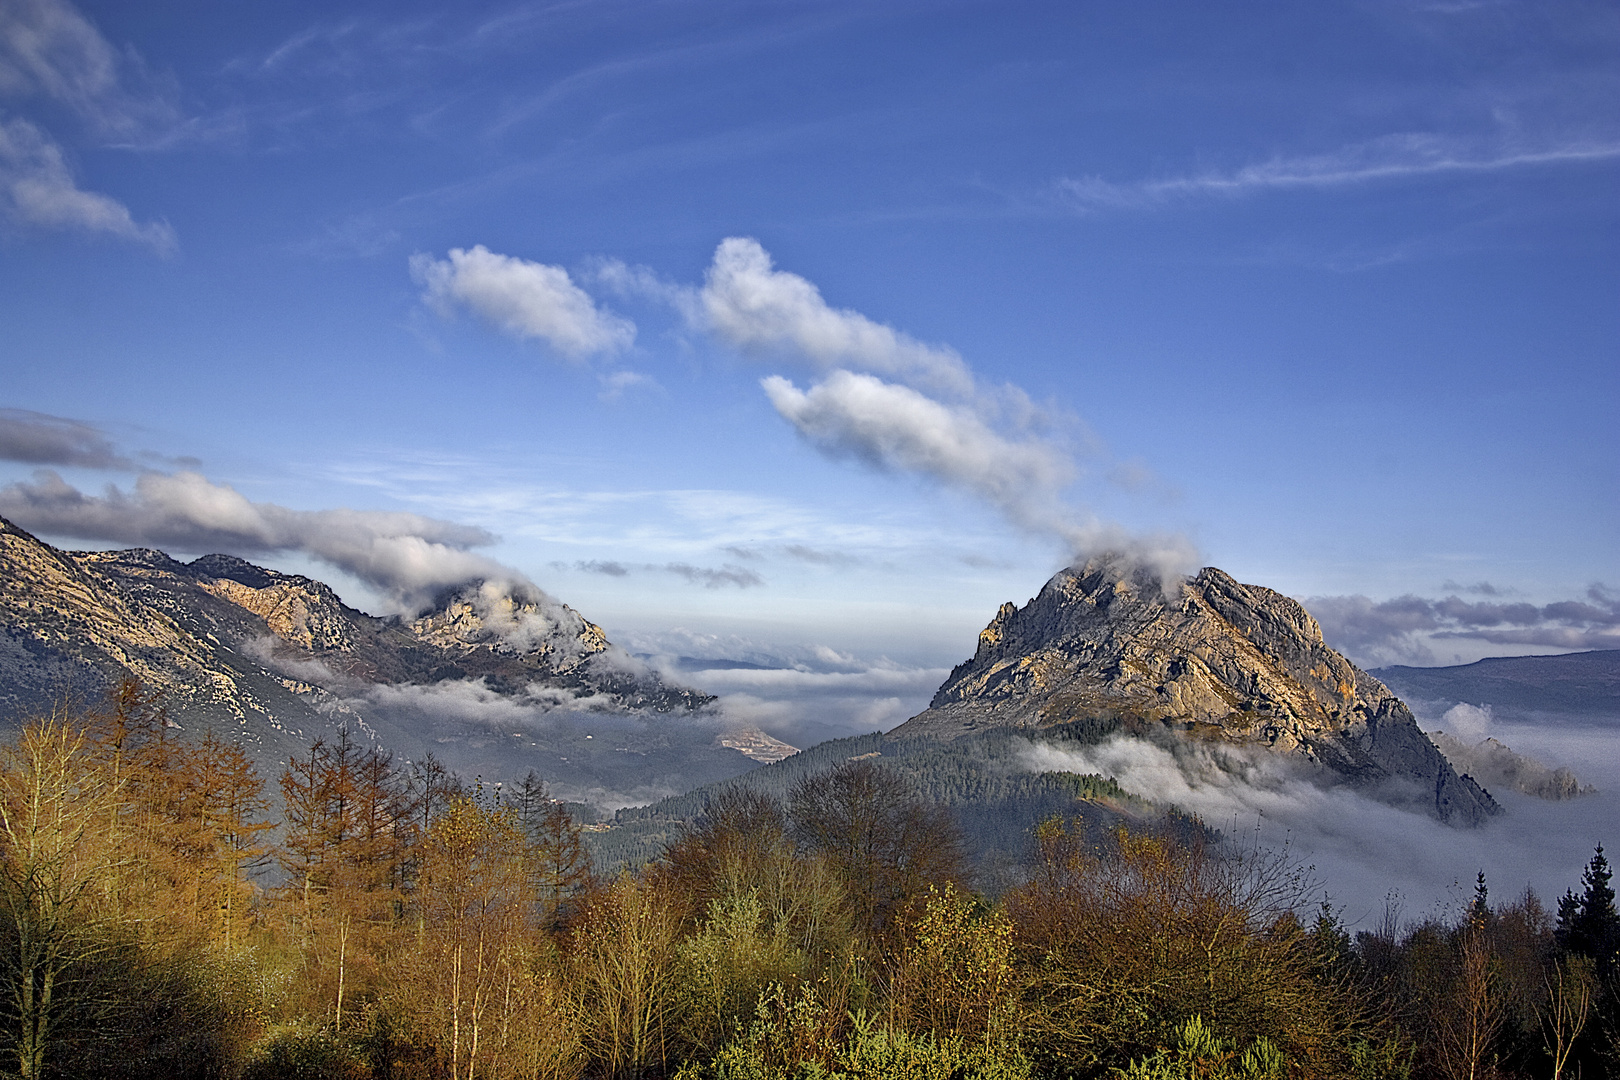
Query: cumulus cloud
[[38, 188], [407, 555], [756, 308], [887, 400], [525, 299], [894, 427], [1403, 629], [898, 405]]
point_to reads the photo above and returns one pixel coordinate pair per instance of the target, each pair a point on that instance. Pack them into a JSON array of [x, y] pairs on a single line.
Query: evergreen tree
[[1588, 924], [1479, 912]]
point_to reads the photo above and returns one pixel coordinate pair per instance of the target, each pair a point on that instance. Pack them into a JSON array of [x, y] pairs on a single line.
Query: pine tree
[[1588, 924], [1479, 912]]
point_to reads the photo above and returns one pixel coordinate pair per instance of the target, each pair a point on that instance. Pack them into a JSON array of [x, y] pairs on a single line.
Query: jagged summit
[[1214, 658]]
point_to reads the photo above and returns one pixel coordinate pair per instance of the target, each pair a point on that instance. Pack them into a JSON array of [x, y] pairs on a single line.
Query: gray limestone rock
[[1210, 658]]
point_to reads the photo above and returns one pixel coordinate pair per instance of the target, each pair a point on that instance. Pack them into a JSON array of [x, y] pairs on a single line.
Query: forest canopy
[[167, 911]]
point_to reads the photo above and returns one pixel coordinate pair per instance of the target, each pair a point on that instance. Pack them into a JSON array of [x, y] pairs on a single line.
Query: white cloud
[[408, 555], [754, 307], [616, 383], [993, 444], [525, 299], [48, 49], [1362, 848], [37, 188], [883, 398], [895, 427]]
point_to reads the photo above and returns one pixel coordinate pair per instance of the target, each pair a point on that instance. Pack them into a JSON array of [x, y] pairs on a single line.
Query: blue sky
[[818, 330]]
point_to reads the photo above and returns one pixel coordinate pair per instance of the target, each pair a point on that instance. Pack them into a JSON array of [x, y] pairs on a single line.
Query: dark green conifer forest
[[165, 911]]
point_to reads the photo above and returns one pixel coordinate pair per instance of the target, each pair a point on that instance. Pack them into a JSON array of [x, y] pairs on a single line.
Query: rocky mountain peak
[[511, 619], [1212, 658], [231, 568]]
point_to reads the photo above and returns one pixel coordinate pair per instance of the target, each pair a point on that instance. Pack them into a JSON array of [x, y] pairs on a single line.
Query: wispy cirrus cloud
[[709, 577], [37, 188], [1404, 156], [50, 52]]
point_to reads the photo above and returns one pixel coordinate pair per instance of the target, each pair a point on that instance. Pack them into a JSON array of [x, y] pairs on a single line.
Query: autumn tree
[[348, 835], [122, 883], [217, 810], [1123, 943], [559, 863], [55, 807], [885, 845], [1570, 985], [761, 916], [480, 990], [956, 976], [623, 968]]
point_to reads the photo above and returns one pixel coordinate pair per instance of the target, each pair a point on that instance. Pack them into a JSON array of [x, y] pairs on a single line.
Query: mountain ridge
[[279, 658], [1580, 683]]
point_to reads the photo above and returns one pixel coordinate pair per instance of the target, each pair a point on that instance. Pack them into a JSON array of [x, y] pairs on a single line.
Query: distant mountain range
[[1583, 684], [499, 680], [493, 680]]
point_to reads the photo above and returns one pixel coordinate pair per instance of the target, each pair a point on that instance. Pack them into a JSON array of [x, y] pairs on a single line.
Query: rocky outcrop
[[1211, 658], [69, 629], [1498, 765]]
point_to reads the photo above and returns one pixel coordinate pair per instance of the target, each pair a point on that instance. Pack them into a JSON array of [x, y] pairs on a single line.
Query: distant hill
[[1583, 684], [987, 780], [1209, 657]]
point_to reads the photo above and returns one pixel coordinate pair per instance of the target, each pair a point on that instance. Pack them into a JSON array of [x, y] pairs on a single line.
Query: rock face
[[1217, 660], [278, 656]]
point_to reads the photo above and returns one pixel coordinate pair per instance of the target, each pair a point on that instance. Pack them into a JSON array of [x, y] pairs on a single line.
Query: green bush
[[303, 1051], [868, 1053], [1200, 1055]]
